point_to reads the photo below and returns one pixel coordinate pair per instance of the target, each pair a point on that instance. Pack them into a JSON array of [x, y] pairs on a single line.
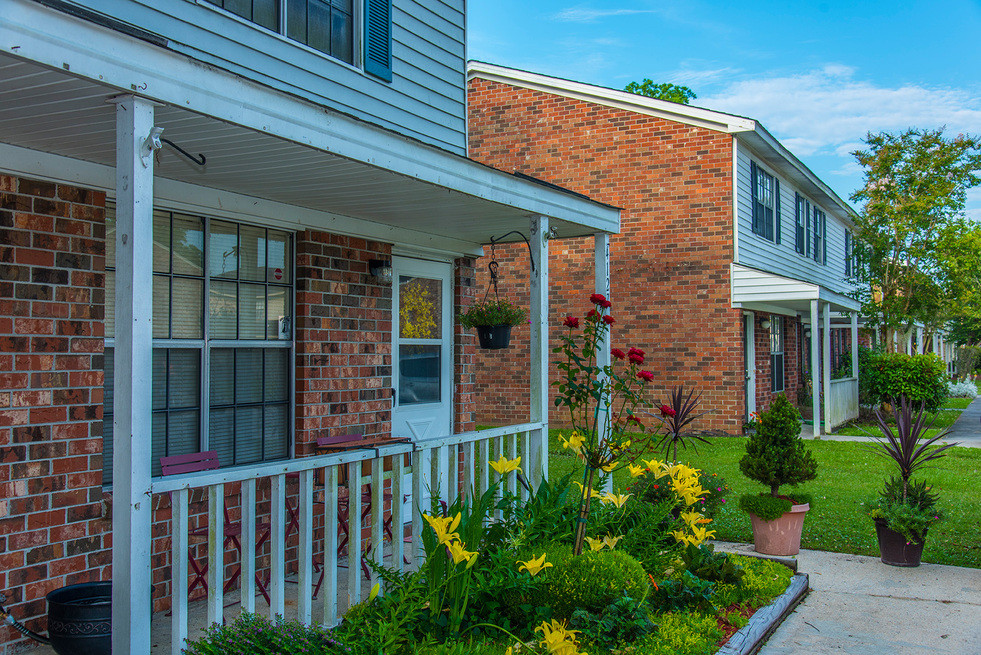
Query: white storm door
[[422, 338]]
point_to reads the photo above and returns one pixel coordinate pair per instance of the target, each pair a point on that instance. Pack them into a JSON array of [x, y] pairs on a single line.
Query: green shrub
[[883, 376], [623, 620], [769, 507], [775, 455], [683, 593], [250, 633], [646, 531], [764, 579], [691, 634], [703, 562], [589, 581]]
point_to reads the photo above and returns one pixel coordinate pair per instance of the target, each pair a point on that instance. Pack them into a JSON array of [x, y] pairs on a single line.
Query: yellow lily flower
[[681, 536], [700, 534], [459, 553], [595, 544], [654, 465], [574, 442], [609, 468], [505, 465], [558, 639], [616, 499], [444, 526], [610, 541], [692, 518], [592, 492], [535, 566], [636, 471]]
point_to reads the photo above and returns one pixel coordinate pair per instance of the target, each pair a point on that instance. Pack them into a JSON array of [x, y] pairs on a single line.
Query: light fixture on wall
[[380, 269], [807, 333], [765, 324]]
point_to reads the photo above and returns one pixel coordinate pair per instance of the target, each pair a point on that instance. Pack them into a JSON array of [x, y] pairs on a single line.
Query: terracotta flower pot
[[781, 536], [894, 550]]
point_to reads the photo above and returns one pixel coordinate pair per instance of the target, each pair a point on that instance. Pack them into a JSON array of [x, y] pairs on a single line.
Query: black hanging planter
[[894, 550], [493, 337]]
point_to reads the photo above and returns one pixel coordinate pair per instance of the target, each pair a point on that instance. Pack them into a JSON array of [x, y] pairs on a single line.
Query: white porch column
[[854, 344], [936, 344], [920, 349], [133, 365], [601, 258], [826, 364], [538, 466], [815, 369]]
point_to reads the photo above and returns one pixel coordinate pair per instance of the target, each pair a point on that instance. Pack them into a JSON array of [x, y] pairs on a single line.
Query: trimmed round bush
[[590, 581]]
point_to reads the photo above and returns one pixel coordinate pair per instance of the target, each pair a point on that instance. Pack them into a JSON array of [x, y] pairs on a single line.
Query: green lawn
[[943, 418], [849, 475], [958, 403]]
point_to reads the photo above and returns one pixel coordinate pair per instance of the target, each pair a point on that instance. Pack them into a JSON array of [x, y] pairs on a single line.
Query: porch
[[331, 192]]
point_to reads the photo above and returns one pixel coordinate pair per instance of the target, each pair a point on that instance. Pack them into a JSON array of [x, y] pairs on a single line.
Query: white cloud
[[586, 15]]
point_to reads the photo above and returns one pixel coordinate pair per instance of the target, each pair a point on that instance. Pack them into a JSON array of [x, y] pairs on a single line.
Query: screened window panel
[[341, 36], [277, 379], [184, 430], [266, 13], [158, 441], [184, 375], [248, 435], [777, 373], [279, 303], [420, 307], [252, 311], [159, 377], [222, 376], [161, 242], [252, 253], [110, 304], [223, 315], [296, 20], [276, 443], [106, 449], [223, 250], [161, 307], [241, 7], [318, 25], [248, 375], [188, 245], [187, 312], [221, 434], [419, 374], [108, 397]]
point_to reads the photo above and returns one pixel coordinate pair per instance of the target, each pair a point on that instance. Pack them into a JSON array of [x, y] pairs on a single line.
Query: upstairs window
[[766, 203], [802, 217], [820, 250], [327, 26], [851, 255]]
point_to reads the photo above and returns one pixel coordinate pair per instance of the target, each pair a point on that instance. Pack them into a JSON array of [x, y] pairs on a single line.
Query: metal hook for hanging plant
[[492, 267]]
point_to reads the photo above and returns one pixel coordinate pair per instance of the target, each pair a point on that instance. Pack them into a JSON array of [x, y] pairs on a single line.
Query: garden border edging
[[751, 637]]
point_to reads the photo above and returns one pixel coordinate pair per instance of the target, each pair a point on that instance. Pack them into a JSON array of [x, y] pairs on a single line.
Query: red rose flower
[[617, 353], [592, 313], [606, 304], [609, 320], [597, 299], [636, 359], [646, 376], [634, 419], [667, 411], [571, 322], [635, 351]]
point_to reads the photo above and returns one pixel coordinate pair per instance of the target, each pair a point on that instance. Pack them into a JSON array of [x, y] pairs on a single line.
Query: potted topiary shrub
[[776, 456], [906, 507], [493, 320]]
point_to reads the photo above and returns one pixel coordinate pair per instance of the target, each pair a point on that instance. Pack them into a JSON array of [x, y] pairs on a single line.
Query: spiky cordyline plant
[[676, 417], [904, 446]]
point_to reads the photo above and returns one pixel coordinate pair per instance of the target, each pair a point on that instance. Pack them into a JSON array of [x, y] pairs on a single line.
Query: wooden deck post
[[538, 466], [132, 504]]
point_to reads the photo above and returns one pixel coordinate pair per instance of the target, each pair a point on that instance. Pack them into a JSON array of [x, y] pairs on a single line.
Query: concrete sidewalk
[[860, 606]]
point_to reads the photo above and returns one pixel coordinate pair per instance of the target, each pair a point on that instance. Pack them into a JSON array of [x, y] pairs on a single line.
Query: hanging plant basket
[[493, 337]]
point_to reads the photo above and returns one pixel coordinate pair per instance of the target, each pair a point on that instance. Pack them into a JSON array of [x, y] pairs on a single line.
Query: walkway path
[[860, 606]]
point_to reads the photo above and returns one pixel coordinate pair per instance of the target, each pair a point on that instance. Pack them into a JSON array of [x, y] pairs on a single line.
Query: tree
[[664, 91], [919, 252]]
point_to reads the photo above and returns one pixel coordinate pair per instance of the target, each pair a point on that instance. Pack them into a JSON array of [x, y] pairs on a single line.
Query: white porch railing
[[445, 466], [842, 401]]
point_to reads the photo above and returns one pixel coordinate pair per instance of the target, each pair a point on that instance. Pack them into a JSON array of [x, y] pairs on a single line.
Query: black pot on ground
[[80, 619], [493, 337], [894, 550]]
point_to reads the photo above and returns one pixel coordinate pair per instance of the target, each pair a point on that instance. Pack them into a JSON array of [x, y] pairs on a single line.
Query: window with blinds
[[222, 339]]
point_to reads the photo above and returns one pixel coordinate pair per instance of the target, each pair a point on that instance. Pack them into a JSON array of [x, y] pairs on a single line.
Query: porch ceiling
[[55, 112], [768, 292]]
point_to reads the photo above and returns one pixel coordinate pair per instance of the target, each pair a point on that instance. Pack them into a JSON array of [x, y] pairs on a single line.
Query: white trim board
[[192, 198]]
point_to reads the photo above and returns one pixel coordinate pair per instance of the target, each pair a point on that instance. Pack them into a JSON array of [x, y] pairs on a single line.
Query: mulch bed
[[745, 611]]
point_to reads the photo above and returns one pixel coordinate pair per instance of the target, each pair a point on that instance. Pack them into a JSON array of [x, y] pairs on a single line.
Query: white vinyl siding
[[425, 99], [783, 259]]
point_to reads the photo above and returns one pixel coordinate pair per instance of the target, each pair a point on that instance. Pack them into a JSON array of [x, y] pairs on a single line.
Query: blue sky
[[818, 75]]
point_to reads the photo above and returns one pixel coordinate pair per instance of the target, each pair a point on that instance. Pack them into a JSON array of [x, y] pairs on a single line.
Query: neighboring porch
[[833, 401]]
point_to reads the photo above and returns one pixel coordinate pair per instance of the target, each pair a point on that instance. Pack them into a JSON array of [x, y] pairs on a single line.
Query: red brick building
[[727, 242]]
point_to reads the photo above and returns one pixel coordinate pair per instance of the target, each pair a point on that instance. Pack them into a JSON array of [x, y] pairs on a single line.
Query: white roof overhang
[[765, 292], [57, 72]]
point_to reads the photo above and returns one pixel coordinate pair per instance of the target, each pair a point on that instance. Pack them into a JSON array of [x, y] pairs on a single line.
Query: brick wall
[[464, 348], [52, 240], [764, 363], [669, 264]]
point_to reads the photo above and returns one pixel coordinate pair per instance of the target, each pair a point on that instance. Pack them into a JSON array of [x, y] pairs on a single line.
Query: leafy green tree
[[663, 91], [918, 250]]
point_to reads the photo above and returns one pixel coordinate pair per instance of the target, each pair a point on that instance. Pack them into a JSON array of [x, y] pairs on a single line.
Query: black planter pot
[[80, 619], [894, 550], [493, 337]]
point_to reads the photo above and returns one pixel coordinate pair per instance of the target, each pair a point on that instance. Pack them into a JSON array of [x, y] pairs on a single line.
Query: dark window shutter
[[824, 238], [848, 253], [776, 206], [753, 182], [378, 39]]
